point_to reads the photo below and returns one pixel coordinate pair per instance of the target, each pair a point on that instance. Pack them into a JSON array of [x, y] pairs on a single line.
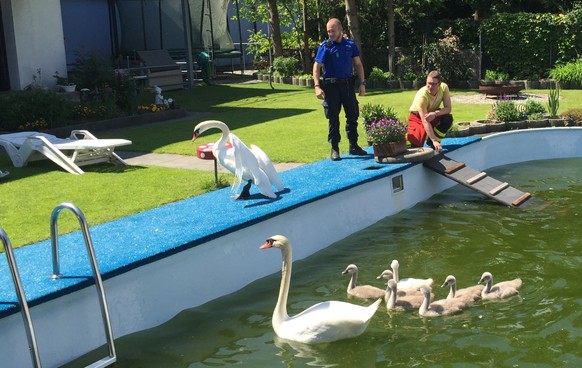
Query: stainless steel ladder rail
[[112, 358], [24, 310]]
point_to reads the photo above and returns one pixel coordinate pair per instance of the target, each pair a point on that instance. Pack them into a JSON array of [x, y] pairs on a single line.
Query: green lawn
[[286, 122]]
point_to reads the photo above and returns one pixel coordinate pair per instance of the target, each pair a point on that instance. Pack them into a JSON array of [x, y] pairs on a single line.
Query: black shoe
[[357, 150], [335, 156]]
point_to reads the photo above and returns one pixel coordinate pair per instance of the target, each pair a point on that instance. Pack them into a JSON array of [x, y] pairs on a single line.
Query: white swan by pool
[[361, 291], [251, 165], [469, 294], [500, 290], [441, 307], [410, 282], [324, 322]]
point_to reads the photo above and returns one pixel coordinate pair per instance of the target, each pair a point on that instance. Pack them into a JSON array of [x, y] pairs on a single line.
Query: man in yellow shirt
[[430, 113]]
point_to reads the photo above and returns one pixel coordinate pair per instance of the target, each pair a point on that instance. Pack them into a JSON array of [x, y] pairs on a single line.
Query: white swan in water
[[407, 283], [469, 294], [324, 322], [251, 165], [388, 274], [500, 290], [441, 307], [361, 291]]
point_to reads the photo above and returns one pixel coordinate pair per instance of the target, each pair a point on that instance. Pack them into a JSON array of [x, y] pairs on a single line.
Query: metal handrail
[[25, 311], [96, 274]]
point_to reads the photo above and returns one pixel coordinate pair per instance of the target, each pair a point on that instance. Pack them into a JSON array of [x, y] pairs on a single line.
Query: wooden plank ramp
[[479, 181]]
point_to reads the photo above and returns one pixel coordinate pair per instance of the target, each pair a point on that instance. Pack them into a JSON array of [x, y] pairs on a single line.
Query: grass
[[286, 122]]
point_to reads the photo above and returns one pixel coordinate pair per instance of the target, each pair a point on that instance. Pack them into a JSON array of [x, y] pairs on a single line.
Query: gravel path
[[480, 98]]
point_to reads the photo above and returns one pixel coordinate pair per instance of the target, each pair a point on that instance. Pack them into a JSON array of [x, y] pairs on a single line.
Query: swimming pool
[[183, 255], [454, 232]]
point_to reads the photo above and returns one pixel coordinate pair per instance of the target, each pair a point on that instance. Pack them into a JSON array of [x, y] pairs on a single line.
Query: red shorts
[[416, 134]]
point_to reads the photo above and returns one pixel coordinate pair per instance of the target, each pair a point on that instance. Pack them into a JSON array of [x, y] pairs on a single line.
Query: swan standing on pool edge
[[323, 322], [252, 165]]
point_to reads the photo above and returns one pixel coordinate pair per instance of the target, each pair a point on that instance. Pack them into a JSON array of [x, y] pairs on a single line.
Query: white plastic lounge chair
[[80, 149]]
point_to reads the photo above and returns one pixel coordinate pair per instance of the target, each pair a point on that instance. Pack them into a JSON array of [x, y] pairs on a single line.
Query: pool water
[[456, 232]]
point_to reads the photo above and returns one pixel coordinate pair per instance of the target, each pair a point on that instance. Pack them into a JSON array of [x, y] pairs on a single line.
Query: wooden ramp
[[478, 181]]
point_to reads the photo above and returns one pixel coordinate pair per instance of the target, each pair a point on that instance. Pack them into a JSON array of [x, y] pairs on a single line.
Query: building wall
[[34, 41]]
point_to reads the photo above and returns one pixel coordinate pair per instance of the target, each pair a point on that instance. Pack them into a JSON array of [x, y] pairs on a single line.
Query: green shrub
[[568, 73], [33, 109], [409, 76], [533, 108], [286, 65], [446, 56], [505, 111], [493, 75], [92, 71], [390, 76], [377, 75], [575, 115], [533, 38]]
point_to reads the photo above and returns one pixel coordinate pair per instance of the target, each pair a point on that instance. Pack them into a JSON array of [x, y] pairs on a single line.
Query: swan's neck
[[452, 292], [425, 302], [488, 286], [391, 302], [280, 312], [221, 143], [353, 281], [395, 273]]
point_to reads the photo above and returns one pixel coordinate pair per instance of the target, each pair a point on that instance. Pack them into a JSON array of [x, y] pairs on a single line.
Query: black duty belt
[[336, 80]]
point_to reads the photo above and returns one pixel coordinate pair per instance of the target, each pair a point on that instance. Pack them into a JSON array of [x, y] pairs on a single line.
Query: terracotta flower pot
[[389, 149]]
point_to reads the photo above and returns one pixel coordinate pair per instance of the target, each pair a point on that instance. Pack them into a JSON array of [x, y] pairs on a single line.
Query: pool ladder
[[25, 311]]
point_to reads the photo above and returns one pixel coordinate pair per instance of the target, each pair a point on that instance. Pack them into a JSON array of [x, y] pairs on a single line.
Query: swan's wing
[[412, 283], [247, 167], [267, 166], [328, 321]]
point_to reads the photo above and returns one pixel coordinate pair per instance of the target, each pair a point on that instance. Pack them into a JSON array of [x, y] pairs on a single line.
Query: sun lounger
[[80, 149]]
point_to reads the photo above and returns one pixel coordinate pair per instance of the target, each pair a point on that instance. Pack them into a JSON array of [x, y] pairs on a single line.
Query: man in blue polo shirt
[[339, 57]]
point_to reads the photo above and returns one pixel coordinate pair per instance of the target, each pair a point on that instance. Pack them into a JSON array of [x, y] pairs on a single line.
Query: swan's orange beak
[[196, 134], [268, 244]]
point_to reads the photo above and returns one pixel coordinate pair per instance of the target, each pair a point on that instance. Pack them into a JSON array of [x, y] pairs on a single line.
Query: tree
[[391, 37], [275, 27], [354, 23], [305, 54]]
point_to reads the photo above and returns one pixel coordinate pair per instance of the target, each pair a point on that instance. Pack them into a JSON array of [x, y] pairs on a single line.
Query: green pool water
[[456, 232]]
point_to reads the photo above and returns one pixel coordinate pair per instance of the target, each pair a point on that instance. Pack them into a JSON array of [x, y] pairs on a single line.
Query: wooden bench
[[162, 70]]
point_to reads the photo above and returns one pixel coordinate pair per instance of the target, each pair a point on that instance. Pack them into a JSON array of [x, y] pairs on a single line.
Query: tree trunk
[[306, 51], [275, 28], [353, 23], [391, 39]]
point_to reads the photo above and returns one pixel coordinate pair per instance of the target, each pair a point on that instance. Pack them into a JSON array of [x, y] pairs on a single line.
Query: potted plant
[[388, 137], [374, 112], [64, 84]]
